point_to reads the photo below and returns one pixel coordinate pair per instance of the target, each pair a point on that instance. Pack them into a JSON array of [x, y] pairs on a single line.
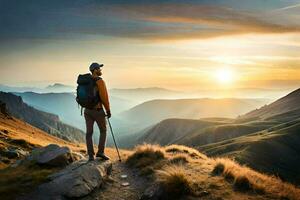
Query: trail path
[[112, 189]]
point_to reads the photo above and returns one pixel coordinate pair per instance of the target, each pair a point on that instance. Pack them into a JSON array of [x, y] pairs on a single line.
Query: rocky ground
[[123, 184], [34, 163]]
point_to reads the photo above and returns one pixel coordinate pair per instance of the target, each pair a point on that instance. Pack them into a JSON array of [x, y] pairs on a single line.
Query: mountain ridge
[[46, 121]]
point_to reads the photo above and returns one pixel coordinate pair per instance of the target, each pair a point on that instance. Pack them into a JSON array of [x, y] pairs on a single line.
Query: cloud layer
[[155, 20]]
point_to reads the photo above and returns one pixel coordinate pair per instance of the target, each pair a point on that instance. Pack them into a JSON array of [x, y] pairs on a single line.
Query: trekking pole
[[112, 133]]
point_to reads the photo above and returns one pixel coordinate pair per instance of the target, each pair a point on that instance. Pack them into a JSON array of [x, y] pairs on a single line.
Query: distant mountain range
[[266, 139], [62, 104], [58, 87], [266, 93], [149, 93], [48, 122], [153, 111], [140, 95], [55, 88], [65, 106]]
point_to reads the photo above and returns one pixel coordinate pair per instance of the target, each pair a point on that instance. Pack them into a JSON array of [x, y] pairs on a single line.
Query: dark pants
[[90, 117]]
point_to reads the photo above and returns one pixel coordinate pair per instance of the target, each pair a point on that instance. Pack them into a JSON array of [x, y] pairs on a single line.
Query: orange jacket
[[104, 100]]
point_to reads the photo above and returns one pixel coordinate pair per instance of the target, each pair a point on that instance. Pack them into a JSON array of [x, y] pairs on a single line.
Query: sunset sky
[[172, 44]]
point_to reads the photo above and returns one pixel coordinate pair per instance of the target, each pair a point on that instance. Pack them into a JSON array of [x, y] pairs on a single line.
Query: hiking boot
[[91, 158], [102, 155]]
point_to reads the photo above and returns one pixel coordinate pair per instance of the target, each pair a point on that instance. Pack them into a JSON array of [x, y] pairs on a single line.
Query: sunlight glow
[[224, 75]]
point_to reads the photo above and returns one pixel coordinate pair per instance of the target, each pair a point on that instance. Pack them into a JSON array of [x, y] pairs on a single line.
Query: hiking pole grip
[[114, 139]]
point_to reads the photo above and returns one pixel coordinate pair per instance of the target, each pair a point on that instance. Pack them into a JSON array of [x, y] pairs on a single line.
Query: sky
[[184, 45]]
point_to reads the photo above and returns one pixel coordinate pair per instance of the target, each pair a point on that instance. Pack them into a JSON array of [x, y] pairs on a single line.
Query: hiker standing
[[93, 96]]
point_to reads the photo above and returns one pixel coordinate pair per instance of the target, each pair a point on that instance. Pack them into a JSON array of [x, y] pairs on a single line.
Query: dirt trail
[[112, 189]]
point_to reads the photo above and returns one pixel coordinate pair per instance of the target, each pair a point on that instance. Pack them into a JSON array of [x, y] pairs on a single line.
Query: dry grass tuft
[[179, 159], [22, 143], [218, 169], [185, 150], [22, 179], [242, 183], [174, 181], [145, 155], [246, 179], [147, 171]]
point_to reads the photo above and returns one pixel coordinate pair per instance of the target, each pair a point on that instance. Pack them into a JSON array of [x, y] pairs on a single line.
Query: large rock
[[76, 180], [52, 155]]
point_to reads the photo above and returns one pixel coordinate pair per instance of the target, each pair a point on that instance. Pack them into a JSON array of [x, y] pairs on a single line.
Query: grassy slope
[[48, 122], [269, 146], [173, 130], [184, 173], [285, 104], [274, 151], [222, 132]]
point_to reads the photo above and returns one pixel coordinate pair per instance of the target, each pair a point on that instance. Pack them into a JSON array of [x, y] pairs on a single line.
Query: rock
[[52, 155], [125, 184], [22, 152], [203, 193], [77, 156], [4, 132], [5, 160], [17, 163], [3, 108], [153, 192], [76, 180], [10, 154], [19, 151]]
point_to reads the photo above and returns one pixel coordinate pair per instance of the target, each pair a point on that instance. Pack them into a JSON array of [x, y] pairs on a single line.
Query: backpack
[[87, 93]]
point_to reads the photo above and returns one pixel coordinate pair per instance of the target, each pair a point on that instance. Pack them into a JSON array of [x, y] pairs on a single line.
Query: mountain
[[173, 130], [50, 123], [58, 88], [151, 112], [197, 132], [65, 106], [55, 88], [222, 132], [62, 104], [285, 104], [6, 88], [145, 94]]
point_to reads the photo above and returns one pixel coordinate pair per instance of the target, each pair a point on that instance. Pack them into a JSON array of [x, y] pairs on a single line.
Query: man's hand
[[108, 114]]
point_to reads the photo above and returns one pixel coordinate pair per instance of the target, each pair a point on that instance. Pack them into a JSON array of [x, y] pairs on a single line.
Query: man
[[97, 114]]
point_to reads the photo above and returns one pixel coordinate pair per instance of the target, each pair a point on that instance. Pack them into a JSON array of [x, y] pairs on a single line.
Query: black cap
[[95, 66]]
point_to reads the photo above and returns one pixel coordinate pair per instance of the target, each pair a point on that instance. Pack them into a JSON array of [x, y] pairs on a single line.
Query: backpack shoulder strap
[[97, 79]]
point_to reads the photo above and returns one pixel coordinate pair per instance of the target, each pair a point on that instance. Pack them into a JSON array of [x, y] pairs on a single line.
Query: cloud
[[198, 21], [295, 6], [149, 20]]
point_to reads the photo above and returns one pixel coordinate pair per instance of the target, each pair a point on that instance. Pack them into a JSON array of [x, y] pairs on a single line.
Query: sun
[[224, 75]]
